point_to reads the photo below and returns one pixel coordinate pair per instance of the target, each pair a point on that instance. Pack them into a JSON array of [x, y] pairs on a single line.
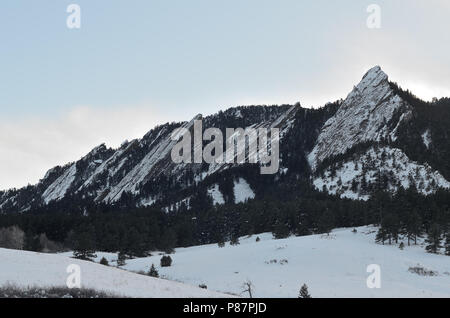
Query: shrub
[[153, 272], [234, 240], [104, 261], [121, 259], [419, 270], [11, 291], [304, 293], [166, 261]]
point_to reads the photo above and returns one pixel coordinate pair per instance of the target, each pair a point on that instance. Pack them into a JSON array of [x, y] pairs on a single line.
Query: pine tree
[[235, 240], [166, 261], [447, 243], [153, 272], [84, 246], [413, 226], [304, 293], [104, 261], [381, 235], [434, 239], [121, 259], [281, 230]]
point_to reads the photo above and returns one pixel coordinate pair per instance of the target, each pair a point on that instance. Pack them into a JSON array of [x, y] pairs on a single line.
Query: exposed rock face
[[104, 175], [367, 114], [343, 148]]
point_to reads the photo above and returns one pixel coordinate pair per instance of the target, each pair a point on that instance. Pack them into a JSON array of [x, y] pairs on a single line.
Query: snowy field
[[331, 266], [26, 269], [334, 266]]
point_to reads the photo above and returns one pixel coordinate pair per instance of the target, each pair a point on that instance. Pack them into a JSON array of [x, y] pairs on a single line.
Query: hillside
[[48, 270], [331, 266]]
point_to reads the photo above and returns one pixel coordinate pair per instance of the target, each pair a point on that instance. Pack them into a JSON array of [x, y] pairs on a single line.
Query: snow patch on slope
[[242, 191], [391, 164], [216, 195], [426, 138]]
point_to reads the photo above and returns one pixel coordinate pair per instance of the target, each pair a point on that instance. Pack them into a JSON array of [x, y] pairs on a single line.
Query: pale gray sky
[[137, 63]]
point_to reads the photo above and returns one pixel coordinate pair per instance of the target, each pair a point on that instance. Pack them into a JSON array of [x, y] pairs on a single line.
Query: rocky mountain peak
[[367, 114]]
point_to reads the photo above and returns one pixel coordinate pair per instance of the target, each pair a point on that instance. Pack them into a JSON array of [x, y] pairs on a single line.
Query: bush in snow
[[235, 240], [153, 272], [419, 270], [304, 293], [166, 261], [121, 259], [104, 261]]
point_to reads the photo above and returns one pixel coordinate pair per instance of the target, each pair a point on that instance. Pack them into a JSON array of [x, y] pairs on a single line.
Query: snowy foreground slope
[[46, 270], [332, 266]]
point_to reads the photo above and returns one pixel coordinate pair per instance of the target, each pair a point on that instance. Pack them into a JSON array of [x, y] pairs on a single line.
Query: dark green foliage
[[235, 240], [406, 215], [153, 272], [434, 239], [304, 293], [447, 243], [121, 259], [166, 261], [85, 244], [104, 261]]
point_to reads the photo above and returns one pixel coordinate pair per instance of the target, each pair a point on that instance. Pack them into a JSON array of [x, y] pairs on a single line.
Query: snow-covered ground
[[27, 269], [334, 266], [331, 266]]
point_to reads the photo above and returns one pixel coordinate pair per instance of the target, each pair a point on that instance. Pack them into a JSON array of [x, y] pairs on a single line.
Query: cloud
[[31, 146]]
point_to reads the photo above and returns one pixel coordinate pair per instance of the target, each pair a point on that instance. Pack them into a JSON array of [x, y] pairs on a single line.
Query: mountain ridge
[[315, 143]]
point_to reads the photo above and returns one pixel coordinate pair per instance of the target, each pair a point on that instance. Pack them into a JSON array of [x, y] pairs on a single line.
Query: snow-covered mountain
[[362, 141], [379, 134], [366, 115]]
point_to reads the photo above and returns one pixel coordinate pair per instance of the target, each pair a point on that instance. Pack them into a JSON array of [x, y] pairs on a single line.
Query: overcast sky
[[137, 63]]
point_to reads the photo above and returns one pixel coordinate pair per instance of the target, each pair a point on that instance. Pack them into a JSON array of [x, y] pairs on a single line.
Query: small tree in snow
[[304, 293], [121, 259], [248, 288], [434, 239], [234, 240], [166, 261], [447, 244], [153, 272], [104, 261]]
